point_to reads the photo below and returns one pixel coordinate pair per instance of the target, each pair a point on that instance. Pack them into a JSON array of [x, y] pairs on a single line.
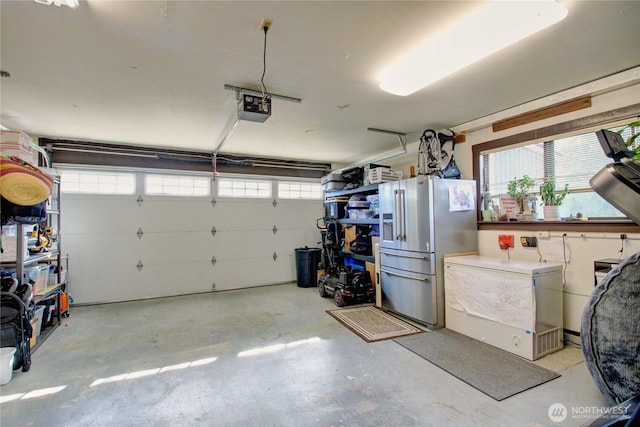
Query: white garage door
[[136, 246]]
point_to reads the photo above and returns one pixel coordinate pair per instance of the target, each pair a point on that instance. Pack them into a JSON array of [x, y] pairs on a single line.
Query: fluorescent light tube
[[486, 30], [73, 4]]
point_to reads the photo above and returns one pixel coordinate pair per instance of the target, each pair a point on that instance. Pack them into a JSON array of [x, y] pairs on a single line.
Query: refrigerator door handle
[[406, 276], [424, 258], [397, 220], [401, 216]]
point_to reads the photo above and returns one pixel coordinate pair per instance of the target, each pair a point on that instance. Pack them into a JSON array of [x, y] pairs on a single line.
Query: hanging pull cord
[[214, 163], [264, 63]]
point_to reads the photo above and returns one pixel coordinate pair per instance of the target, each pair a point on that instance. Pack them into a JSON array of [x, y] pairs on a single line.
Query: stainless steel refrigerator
[[422, 219]]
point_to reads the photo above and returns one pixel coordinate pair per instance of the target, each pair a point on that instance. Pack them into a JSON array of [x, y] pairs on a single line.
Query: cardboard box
[[371, 268], [18, 144], [34, 325], [349, 236], [374, 240]]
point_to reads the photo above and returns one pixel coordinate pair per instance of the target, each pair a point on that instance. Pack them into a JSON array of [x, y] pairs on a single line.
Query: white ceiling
[[153, 72]]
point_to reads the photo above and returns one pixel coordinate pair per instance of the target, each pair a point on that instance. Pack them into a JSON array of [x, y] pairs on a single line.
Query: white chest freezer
[[513, 305]]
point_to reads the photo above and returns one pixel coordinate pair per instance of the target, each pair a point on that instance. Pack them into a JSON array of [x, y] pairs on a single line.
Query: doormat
[[495, 372], [373, 324]]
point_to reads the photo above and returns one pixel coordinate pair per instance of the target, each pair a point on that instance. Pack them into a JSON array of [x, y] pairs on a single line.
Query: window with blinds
[[572, 160]]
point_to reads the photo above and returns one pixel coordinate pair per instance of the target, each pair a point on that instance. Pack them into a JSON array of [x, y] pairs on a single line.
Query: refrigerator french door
[[421, 219]]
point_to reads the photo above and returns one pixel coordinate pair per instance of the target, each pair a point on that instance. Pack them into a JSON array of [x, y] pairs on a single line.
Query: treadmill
[[618, 182]]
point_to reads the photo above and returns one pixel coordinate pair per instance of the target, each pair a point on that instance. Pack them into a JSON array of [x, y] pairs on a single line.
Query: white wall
[[607, 94], [177, 246]]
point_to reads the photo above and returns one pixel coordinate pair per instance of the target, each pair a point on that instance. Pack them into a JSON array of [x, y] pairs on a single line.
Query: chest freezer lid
[[511, 266]]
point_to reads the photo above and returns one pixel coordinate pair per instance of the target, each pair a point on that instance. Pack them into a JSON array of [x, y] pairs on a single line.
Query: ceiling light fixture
[[73, 4], [486, 30]]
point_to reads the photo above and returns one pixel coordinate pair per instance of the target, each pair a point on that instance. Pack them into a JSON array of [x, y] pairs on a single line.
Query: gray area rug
[[495, 372], [373, 324]]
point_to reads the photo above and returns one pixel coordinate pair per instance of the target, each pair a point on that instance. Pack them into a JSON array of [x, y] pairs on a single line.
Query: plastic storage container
[[307, 260], [39, 275], [6, 364], [38, 314]]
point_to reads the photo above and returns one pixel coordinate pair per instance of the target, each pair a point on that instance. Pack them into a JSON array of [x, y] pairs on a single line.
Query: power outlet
[[505, 241], [516, 340], [528, 242]]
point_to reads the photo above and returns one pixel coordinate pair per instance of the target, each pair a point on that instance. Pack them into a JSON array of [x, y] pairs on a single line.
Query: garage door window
[[177, 185], [247, 188], [86, 182], [299, 190]]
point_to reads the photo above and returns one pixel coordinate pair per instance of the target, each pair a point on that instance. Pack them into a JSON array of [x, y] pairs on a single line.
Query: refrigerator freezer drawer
[[422, 262], [409, 294]]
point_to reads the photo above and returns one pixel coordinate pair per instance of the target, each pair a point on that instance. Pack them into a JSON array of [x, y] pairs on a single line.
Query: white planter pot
[[551, 213]]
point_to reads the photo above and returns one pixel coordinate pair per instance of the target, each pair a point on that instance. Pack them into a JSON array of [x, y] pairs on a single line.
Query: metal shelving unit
[[52, 256], [365, 190]]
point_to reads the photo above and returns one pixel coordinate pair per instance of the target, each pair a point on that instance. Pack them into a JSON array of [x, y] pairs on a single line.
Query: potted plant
[[552, 199], [630, 142], [518, 189]]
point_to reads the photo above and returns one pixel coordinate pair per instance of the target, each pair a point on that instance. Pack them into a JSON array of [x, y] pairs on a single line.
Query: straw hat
[[23, 184]]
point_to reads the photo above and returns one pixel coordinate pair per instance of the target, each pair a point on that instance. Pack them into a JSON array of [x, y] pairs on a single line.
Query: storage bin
[[53, 277], [380, 175], [10, 244], [336, 207], [6, 364], [64, 302], [47, 316], [38, 313], [39, 276], [353, 264]]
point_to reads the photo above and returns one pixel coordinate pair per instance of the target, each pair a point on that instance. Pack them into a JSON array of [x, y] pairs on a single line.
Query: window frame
[[544, 134]]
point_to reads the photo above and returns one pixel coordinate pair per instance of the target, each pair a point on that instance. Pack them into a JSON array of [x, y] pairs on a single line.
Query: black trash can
[[307, 260]]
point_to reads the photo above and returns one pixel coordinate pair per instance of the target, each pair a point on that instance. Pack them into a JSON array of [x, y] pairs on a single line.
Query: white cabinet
[[513, 305]]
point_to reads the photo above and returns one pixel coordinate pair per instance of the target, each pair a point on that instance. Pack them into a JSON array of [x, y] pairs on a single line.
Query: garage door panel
[[239, 273], [123, 283], [243, 244], [240, 213], [177, 247], [88, 214], [166, 279], [187, 214], [94, 249]]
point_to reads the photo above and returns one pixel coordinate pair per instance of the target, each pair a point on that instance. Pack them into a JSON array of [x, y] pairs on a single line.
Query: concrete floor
[[129, 364]]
